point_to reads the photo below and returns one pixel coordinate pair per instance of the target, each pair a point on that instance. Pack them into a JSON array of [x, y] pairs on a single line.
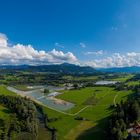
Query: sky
[[97, 33]]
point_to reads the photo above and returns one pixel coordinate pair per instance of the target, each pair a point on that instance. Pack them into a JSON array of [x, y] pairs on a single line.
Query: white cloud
[[94, 53], [82, 45], [26, 54], [117, 60], [59, 45], [3, 40]]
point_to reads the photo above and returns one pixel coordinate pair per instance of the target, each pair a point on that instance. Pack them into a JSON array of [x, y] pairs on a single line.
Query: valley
[[75, 106]]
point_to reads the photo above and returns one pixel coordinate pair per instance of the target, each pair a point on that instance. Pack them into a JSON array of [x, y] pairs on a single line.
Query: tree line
[[125, 113], [22, 117]]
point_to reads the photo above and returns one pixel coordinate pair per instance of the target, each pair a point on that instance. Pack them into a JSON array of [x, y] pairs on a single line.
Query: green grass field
[[78, 97], [22, 87], [123, 78], [4, 113], [80, 78], [70, 129], [4, 91], [133, 83]]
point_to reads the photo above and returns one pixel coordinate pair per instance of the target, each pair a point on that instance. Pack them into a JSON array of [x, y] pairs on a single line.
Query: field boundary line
[[81, 110], [70, 114], [114, 100], [102, 105]]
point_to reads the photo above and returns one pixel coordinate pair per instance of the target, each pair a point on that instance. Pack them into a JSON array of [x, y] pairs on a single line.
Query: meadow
[[95, 115], [92, 104]]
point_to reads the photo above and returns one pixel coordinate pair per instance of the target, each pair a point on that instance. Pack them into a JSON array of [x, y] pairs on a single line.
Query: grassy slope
[[64, 123], [76, 96], [68, 128], [98, 113], [4, 91], [4, 114], [80, 96], [22, 87], [81, 78], [133, 83], [122, 78]]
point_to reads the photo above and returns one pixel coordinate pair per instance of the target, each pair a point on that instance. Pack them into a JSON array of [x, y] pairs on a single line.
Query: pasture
[[4, 113], [95, 116]]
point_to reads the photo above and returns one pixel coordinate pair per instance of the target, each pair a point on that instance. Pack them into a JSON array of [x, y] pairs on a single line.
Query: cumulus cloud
[[26, 54], [117, 60], [94, 53], [3, 40]]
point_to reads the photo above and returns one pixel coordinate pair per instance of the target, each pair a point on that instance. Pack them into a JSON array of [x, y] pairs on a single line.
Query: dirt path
[[25, 95], [70, 114], [114, 100]]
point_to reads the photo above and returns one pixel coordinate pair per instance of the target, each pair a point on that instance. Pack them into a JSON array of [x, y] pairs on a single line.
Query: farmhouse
[[134, 131]]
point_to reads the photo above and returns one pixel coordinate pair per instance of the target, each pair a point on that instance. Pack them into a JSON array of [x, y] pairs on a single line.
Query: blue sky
[[93, 31]]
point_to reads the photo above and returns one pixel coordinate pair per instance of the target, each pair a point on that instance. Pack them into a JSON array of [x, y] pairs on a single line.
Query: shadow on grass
[[25, 136], [6, 111], [98, 132], [130, 96]]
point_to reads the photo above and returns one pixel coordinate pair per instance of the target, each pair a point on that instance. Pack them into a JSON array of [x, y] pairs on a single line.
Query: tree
[[135, 110], [46, 91], [119, 135], [75, 86], [23, 117]]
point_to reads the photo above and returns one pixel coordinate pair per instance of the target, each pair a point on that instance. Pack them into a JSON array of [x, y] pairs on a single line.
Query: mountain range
[[133, 69], [61, 68], [67, 68]]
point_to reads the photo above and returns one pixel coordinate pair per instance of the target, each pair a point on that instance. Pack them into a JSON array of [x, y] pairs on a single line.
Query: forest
[[23, 114], [124, 121]]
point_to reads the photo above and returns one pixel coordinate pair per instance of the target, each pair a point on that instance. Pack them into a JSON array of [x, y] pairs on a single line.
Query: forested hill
[[134, 69], [62, 68]]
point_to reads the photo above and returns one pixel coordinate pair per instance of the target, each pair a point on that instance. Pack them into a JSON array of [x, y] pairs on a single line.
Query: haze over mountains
[[62, 68], [69, 68], [133, 69]]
